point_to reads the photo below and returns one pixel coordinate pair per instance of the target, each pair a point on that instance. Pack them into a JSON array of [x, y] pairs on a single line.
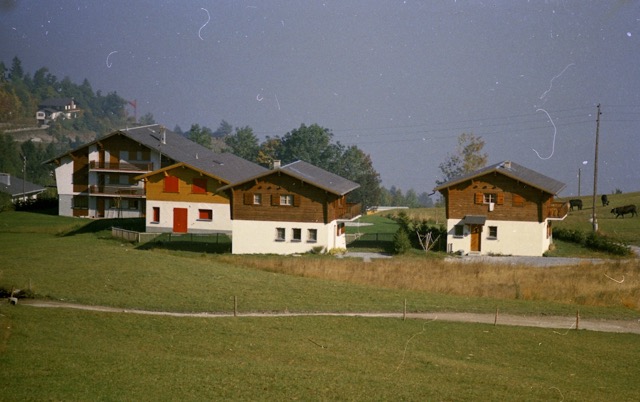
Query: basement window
[[493, 233], [458, 231], [296, 235], [280, 234], [205, 215], [312, 236]]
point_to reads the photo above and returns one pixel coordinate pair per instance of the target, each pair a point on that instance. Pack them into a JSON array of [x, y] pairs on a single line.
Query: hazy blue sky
[[400, 79]]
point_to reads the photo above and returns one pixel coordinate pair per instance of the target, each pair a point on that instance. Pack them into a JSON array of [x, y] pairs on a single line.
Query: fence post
[[404, 312], [495, 321], [577, 319], [235, 306]]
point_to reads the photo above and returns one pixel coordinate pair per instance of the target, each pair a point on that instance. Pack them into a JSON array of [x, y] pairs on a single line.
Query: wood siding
[[513, 200], [155, 187], [309, 203]]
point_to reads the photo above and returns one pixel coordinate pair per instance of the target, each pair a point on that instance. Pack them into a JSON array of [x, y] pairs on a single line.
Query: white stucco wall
[[221, 222], [514, 238], [259, 237]]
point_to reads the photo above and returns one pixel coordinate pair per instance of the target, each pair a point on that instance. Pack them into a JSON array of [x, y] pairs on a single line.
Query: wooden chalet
[[185, 197], [290, 209], [503, 209]]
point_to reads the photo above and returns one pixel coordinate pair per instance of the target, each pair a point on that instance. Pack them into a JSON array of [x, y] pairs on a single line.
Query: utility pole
[[595, 173], [24, 177], [579, 180]]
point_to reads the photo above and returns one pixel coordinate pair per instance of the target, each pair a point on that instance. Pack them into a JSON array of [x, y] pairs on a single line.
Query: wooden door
[[476, 231], [179, 220], [100, 207]]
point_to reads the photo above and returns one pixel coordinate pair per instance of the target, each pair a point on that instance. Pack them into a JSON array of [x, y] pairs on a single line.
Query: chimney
[[163, 135], [277, 163], [507, 164], [5, 178]]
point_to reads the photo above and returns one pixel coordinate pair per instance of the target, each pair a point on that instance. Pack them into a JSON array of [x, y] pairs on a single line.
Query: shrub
[[401, 242], [593, 240]]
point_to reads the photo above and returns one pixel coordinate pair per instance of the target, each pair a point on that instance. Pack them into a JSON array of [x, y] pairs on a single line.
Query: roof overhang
[[474, 219]]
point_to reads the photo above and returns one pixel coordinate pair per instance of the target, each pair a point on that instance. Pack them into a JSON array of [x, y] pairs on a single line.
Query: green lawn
[[55, 354], [51, 354]]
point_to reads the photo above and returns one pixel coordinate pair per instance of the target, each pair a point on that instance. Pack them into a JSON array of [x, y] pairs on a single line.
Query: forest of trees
[[20, 94]]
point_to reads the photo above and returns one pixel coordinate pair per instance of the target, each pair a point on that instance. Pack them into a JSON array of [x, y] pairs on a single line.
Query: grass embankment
[[50, 354]]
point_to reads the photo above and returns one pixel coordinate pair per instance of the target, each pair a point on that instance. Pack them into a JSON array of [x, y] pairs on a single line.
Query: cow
[[575, 203], [627, 209], [605, 200]]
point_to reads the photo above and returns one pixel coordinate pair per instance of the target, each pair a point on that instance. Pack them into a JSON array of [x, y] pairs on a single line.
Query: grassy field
[[50, 354]]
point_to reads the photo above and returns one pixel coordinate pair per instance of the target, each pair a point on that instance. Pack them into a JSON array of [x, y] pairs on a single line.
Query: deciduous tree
[[467, 158]]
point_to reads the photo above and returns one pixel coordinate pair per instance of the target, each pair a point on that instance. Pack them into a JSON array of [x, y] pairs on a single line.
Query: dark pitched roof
[[55, 102], [14, 186], [310, 174], [514, 171], [225, 166]]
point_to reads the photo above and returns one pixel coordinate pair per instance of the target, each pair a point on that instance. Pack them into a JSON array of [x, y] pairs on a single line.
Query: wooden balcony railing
[[558, 210], [117, 190], [349, 212], [121, 166]]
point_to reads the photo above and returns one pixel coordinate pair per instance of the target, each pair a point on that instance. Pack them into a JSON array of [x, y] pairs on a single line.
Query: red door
[[179, 220]]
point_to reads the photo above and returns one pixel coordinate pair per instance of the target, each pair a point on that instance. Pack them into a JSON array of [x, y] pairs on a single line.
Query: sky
[[401, 80]]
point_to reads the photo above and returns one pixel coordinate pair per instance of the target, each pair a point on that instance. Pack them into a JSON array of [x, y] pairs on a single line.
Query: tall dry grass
[[612, 284]]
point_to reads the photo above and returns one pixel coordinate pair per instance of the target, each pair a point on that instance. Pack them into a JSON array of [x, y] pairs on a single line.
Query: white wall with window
[[500, 238], [201, 217], [264, 237]]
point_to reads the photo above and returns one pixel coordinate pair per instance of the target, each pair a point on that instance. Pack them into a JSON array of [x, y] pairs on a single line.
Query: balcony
[[557, 210], [118, 191], [121, 166], [349, 213]]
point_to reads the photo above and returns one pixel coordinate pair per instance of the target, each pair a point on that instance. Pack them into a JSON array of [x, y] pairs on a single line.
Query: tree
[[311, 144], [147, 119], [468, 158], [243, 143], [357, 166], [268, 151], [223, 129], [200, 135], [16, 73]]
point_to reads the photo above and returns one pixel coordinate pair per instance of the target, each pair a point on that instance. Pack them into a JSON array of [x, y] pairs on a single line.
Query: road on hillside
[[561, 325]]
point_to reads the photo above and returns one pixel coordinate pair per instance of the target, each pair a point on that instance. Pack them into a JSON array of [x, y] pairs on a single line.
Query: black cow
[[605, 200], [575, 203], [627, 209]]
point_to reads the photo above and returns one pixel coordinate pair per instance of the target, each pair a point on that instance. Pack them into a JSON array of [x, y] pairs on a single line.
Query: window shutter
[[479, 198], [296, 200], [248, 198], [275, 199], [500, 198]]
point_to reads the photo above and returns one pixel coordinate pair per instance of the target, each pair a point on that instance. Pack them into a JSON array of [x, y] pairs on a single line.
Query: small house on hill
[[503, 209], [54, 108], [290, 209]]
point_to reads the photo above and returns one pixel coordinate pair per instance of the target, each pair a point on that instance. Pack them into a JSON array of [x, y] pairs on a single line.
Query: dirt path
[[562, 324]]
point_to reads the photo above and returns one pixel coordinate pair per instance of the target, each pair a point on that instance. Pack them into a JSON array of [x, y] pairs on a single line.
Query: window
[[286, 199], [114, 203], [296, 235], [280, 236], [133, 204], [81, 202], [312, 235], [199, 186], [257, 199], [156, 215], [489, 198], [205, 214], [458, 230], [170, 184], [340, 229], [493, 232]]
